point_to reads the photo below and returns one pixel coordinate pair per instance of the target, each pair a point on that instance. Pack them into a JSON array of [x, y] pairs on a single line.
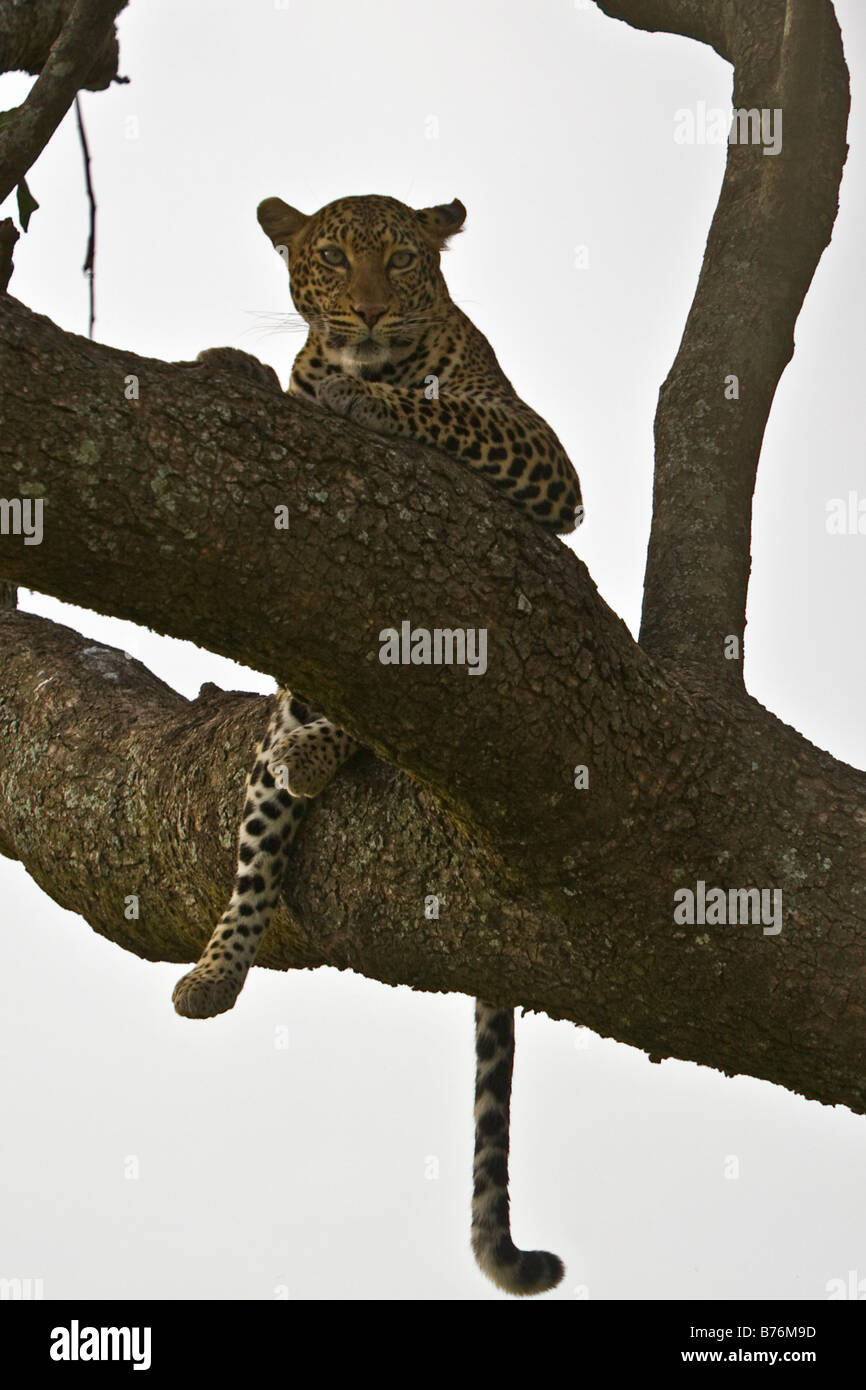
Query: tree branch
[[80, 45], [773, 220], [112, 785], [161, 510], [150, 505], [28, 31]]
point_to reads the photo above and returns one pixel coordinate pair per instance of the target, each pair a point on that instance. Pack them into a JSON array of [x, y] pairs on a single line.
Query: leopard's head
[[364, 272]]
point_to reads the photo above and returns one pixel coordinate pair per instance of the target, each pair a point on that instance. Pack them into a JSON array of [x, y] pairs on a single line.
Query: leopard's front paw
[[344, 395], [203, 994], [228, 359], [307, 760]]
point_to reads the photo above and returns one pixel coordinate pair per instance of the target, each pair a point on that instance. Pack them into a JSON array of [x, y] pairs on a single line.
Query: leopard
[[388, 349]]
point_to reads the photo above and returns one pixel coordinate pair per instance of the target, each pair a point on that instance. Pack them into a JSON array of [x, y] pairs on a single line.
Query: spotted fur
[[516, 1271], [389, 349], [271, 816]]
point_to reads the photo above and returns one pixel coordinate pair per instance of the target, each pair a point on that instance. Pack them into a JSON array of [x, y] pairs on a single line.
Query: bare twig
[[89, 266]]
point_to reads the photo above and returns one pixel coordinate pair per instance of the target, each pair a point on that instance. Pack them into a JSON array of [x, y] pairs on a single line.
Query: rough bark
[[160, 509], [28, 31]]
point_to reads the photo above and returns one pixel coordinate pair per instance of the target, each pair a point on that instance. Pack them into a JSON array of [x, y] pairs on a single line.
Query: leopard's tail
[[516, 1271]]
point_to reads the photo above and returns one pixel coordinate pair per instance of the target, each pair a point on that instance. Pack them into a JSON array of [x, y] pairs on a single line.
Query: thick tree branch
[[161, 509], [774, 218], [111, 785], [142, 790], [83, 43]]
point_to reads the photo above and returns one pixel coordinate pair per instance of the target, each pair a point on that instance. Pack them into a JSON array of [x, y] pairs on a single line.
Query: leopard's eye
[[401, 260], [332, 255]]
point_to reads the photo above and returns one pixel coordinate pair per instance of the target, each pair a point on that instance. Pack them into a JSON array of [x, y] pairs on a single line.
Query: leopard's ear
[[280, 222], [440, 223]]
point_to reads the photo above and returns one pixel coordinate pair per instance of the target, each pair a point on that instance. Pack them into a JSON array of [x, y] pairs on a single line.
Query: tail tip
[[520, 1272]]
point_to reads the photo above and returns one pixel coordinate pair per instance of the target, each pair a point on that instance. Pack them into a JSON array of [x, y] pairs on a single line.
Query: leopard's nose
[[370, 313]]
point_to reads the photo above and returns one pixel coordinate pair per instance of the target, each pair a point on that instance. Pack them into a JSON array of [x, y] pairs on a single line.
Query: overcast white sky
[[555, 126]]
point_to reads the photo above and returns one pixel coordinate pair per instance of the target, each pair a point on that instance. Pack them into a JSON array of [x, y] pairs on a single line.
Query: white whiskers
[[268, 322]]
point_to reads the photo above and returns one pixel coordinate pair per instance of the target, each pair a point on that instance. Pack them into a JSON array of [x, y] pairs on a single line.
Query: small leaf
[[27, 204]]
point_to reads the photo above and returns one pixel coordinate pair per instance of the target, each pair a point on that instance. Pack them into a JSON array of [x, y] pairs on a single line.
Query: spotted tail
[[516, 1271]]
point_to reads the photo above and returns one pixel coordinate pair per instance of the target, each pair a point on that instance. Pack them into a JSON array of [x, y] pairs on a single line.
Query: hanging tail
[[516, 1271]]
